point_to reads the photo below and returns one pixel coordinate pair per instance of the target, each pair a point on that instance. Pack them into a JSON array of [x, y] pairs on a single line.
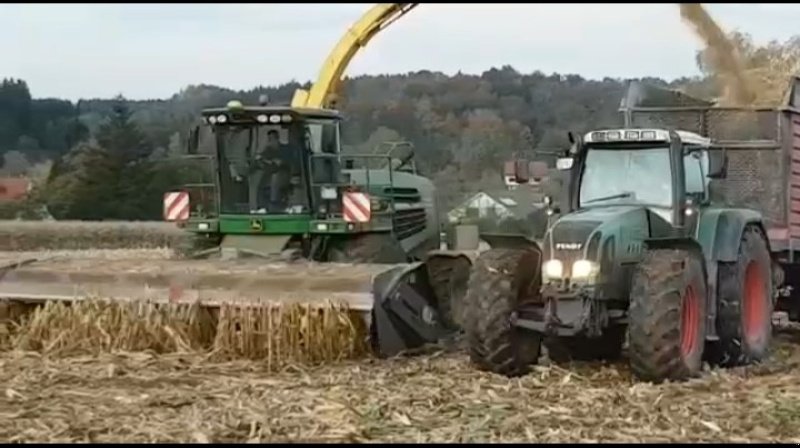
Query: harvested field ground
[[140, 397]]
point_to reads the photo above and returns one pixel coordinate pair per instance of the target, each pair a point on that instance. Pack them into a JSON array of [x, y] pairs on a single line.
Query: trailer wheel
[[501, 279], [667, 317], [607, 347], [744, 321]]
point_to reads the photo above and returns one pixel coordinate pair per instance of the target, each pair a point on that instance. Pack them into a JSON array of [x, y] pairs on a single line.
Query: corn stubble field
[[104, 373]]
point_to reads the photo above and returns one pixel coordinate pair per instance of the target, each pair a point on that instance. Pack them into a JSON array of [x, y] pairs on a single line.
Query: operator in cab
[[271, 160]]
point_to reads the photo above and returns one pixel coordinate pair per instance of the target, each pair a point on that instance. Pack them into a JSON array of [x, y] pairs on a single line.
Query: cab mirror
[[564, 163], [717, 164]]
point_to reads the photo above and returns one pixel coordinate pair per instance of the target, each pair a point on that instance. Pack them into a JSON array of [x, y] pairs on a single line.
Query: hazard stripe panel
[[356, 207], [176, 206]]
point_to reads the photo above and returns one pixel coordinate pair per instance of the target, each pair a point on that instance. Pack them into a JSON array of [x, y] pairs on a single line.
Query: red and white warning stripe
[[176, 206], [356, 207]]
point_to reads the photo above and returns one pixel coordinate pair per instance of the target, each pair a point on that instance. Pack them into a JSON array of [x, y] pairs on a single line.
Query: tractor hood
[[581, 233]]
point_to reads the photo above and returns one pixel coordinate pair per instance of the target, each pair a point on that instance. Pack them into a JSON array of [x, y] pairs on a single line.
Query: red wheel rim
[[690, 322], [755, 303]]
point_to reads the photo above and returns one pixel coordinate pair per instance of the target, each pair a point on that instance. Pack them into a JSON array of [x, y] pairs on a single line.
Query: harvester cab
[[636, 253], [283, 186]]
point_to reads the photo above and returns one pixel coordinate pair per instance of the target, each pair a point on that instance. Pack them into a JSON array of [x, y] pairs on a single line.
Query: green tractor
[[639, 252], [364, 228]]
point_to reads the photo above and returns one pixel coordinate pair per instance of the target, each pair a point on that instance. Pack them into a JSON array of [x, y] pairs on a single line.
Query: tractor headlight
[[584, 270], [552, 269]]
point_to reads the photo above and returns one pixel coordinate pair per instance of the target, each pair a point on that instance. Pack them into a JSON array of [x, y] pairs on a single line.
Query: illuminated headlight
[[584, 269], [613, 136], [552, 269], [322, 227], [327, 193], [274, 118], [221, 118], [212, 120], [262, 118], [202, 226]]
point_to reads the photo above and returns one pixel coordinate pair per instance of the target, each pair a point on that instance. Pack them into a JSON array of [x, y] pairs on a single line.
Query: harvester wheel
[[449, 277], [500, 280], [667, 318], [368, 248], [193, 243], [607, 347], [744, 321]]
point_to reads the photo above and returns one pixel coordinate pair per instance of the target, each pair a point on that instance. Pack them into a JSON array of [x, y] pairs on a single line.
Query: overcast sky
[[152, 51]]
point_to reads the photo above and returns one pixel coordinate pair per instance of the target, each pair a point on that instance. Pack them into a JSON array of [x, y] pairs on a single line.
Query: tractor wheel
[[607, 347], [667, 316], [499, 280], [191, 243], [368, 248], [449, 277], [744, 321]]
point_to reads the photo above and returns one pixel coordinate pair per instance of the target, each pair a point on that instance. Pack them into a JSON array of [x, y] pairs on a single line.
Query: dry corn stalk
[[278, 335]]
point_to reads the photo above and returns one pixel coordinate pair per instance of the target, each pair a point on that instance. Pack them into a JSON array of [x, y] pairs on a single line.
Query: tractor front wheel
[[744, 321], [667, 318], [501, 279]]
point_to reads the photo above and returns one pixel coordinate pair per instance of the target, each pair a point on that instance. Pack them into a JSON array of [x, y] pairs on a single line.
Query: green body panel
[[719, 231]]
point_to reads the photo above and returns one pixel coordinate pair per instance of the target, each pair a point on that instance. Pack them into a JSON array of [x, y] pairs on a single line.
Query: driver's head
[[273, 139]]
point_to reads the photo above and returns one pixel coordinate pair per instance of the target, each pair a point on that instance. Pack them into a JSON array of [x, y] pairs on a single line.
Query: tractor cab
[[667, 172]]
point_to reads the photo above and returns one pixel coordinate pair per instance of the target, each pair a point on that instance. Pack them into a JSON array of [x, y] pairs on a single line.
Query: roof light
[[222, 118], [613, 136], [212, 120], [286, 118], [274, 118], [598, 136], [631, 135], [648, 135], [262, 118]]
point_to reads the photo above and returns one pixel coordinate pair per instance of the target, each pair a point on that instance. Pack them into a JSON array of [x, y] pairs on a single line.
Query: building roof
[[14, 188]]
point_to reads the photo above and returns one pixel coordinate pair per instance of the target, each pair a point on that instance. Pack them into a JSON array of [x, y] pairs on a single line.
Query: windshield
[[261, 168], [627, 175]]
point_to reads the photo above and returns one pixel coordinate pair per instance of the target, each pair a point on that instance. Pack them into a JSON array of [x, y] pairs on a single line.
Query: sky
[[143, 51]]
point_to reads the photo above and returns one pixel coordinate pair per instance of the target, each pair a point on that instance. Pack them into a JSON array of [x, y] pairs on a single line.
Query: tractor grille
[[409, 222]]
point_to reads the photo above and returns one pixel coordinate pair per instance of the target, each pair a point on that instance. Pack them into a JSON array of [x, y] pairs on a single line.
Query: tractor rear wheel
[[667, 317], [501, 279], [744, 321], [607, 347]]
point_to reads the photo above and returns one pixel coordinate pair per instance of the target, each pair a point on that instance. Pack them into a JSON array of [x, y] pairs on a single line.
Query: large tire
[[449, 277], [606, 347], [667, 318], [500, 279], [380, 248], [745, 304]]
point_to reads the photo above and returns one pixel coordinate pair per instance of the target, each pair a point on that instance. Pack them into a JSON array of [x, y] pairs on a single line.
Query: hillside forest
[[112, 159]]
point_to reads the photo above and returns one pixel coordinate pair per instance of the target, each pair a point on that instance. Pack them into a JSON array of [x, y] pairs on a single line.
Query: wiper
[[627, 194]]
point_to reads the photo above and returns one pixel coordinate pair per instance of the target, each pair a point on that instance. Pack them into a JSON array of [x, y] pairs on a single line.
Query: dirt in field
[[137, 397]]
